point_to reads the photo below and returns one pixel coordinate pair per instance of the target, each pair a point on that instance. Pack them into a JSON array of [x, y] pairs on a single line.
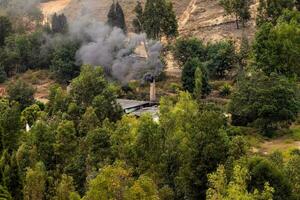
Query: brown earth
[[203, 19]]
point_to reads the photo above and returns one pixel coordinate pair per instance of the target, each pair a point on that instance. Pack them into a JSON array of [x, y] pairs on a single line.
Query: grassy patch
[[295, 133]]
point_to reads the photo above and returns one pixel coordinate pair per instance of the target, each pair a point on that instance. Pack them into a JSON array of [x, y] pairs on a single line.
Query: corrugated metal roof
[[127, 104]]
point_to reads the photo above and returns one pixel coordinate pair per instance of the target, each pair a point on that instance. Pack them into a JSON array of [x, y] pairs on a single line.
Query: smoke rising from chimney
[[111, 49]]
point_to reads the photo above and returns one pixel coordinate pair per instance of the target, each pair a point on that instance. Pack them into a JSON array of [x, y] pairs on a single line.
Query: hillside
[[198, 18]]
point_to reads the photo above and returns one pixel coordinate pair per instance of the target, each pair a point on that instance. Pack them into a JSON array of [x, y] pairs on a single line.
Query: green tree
[[63, 62], [186, 49], [5, 29], [159, 19], [239, 8], [292, 171], [262, 171], [30, 114], [115, 16], [270, 10], [268, 103], [198, 83], [42, 138], [188, 76], [21, 92], [244, 53], [143, 189], [89, 121], [4, 194], [194, 145], [91, 89], [277, 48], [10, 176], [65, 188], [10, 125], [58, 100], [59, 23], [35, 180], [110, 183], [148, 145], [22, 52], [236, 188], [221, 58], [66, 143], [138, 20], [99, 146]]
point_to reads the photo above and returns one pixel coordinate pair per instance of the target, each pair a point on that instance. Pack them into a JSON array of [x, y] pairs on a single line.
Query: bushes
[[21, 92], [226, 90], [277, 48], [219, 57], [63, 62], [268, 103], [188, 76]]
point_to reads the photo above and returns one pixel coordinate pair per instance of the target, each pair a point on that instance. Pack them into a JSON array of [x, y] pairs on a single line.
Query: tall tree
[[277, 48], [236, 188], [188, 77], [35, 182], [21, 92], [238, 8], [115, 16], [59, 23], [159, 19], [65, 188], [265, 102], [5, 29], [138, 20]]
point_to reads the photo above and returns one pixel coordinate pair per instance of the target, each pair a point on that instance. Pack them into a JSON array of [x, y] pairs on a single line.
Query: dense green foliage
[[63, 62], [21, 92], [266, 102], [5, 29], [218, 57], [270, 10], [80, 146], [158, 19], [277, 48], [189, 77]]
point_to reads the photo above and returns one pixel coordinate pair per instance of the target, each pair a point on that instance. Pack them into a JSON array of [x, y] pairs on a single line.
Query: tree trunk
[[237, 22]]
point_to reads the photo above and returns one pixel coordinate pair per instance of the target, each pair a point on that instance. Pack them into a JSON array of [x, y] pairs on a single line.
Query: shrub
[[226, 90]]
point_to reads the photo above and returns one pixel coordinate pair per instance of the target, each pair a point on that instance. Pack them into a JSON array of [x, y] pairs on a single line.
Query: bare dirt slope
[[205, 19], [99, 8]]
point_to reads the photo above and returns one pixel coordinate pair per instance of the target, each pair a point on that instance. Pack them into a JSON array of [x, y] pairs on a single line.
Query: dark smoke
[[112, 49]]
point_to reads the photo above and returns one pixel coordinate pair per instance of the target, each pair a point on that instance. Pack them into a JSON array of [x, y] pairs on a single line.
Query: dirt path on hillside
[[172, 68], [184, 18], [51, 7]]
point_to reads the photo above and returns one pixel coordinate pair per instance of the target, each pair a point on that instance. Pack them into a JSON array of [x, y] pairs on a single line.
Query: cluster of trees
[[268, 10], [80, 147], [35, 50], [157, 19], [214, 60], [267, 93]]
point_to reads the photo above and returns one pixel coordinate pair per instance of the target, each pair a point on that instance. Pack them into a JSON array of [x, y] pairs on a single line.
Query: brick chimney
[[153, 91]]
